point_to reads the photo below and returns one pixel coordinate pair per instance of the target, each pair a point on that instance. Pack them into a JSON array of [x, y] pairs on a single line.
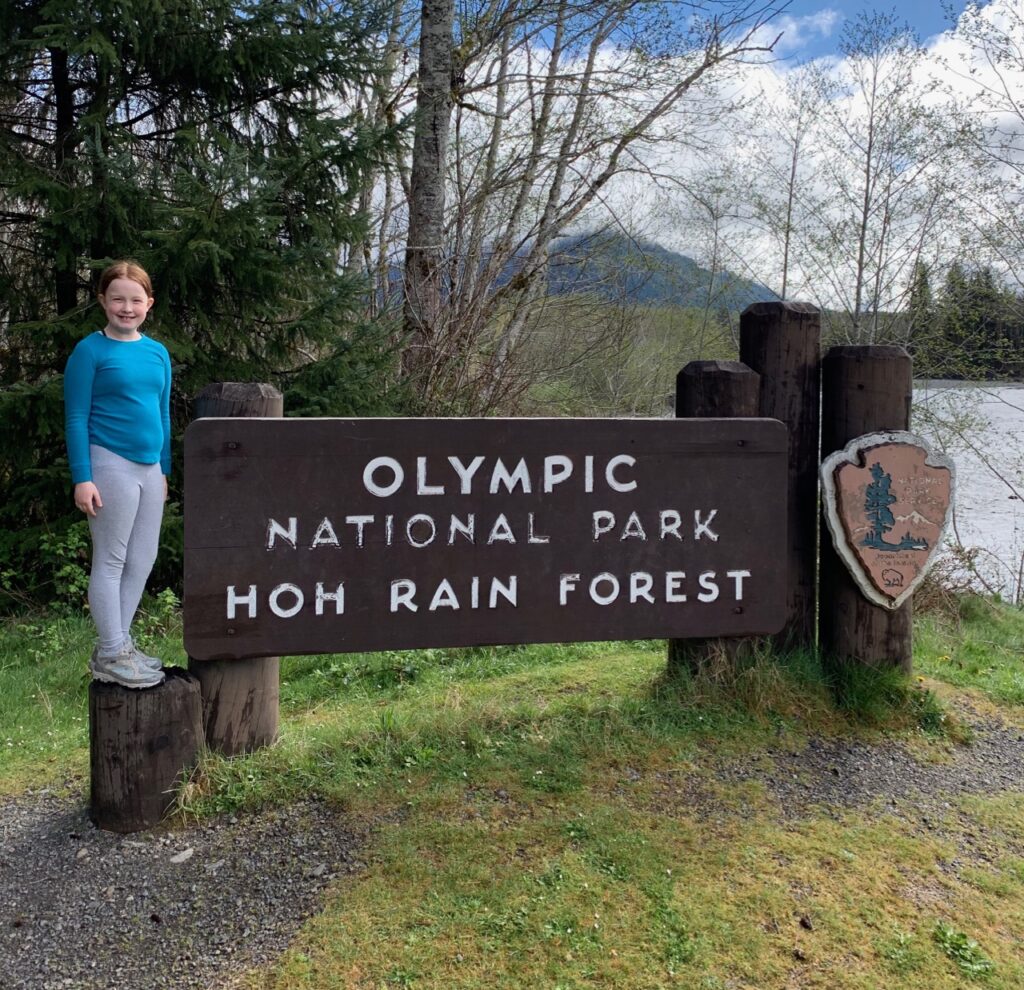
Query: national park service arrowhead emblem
[[888, 498]]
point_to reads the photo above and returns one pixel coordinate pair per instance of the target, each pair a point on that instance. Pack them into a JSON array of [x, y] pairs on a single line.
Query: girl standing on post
[[117, 388]]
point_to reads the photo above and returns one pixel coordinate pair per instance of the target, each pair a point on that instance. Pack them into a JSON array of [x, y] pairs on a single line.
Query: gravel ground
[[830, 776], [195, 907], [84, 908]]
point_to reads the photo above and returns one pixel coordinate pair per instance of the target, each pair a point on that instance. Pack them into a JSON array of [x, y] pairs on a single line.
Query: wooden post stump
[[866, 389], [720, 389], [241, 702], [238, 399], [241, 698], [139, 743], [781, 341]]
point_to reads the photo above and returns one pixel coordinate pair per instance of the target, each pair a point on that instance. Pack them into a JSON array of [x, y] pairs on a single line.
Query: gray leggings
[[125, 539]]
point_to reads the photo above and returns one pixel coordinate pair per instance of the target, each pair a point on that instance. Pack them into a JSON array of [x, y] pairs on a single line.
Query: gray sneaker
[[123, 668], [153, 663]]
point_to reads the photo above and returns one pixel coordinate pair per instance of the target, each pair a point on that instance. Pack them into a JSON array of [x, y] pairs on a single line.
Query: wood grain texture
[[140, 744], [243, 474], [238, 399], [866, 389], [241, 702], [781, 341], [241, 710], [713, 389]]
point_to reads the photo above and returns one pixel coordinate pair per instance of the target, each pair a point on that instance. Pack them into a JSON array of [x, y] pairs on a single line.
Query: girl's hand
[[87, 498], [165, 487]]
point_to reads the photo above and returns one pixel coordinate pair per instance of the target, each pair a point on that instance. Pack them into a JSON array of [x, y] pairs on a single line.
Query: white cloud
[[701, 139], [800, 32], [965, 78]]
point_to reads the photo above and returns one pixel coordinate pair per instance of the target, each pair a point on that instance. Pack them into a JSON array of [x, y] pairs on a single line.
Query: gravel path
[[84, 908], [829, 776], [88, 909], [837, 773]]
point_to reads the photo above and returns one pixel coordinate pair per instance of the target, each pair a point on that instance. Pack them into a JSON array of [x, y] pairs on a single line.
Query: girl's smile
[[126, 305]]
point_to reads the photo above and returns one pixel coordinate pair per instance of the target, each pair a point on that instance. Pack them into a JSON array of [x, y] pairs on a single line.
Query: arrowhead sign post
[[888, 498], [340, 535]]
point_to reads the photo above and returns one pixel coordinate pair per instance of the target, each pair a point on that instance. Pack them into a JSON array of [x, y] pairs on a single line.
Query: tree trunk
[[424, 250], [65, 267]]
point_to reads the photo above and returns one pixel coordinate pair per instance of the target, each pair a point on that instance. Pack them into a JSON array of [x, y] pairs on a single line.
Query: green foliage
[[222, 146], [590, 357], [652, 869], [156, 619], [964, 951], [678, 944], [978, 647], [973, 330], [65, 557], [921, 306], [901, 952], [345, 382], [35, 486], [882, 695]]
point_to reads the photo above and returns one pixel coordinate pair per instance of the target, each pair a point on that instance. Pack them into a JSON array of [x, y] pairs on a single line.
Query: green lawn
[[536, 820]]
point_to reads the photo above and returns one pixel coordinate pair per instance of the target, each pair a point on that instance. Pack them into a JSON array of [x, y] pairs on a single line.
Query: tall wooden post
[[241, 698], [720, 389], [781, 341], [866, 389]]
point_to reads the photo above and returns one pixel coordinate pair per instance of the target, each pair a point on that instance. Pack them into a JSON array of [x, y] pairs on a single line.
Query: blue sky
[[819, 22]]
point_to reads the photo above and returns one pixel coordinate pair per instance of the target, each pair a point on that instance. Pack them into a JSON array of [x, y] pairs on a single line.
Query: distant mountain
[[613, 266]]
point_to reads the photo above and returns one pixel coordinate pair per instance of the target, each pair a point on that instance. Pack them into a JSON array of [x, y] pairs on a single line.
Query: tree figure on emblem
[[877, 500]]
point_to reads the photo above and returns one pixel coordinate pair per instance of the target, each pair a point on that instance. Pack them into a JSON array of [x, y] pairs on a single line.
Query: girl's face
[[126, 304]]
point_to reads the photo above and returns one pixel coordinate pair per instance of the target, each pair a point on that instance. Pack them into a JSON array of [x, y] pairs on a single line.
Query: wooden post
[[866, 389], [720, 389], [781, 341], [241, 698], [717, 389], [140, 741]]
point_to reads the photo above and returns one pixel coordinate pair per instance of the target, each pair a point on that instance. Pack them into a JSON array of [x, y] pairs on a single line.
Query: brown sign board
[[343, 535], [888, 499]]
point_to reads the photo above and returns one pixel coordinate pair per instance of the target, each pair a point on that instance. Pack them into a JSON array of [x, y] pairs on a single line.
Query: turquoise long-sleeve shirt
[[117, 394]]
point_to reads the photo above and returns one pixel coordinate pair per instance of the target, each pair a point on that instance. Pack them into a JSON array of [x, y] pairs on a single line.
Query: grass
[[547, 816], [592, 892], [44, 732], [43, 713], [978, 646]]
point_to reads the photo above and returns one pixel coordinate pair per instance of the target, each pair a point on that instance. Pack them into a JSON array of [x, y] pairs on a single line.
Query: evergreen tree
[[956, 333], [877, 499], [991, 308], [218, 143], [921, 330], [980, 327]]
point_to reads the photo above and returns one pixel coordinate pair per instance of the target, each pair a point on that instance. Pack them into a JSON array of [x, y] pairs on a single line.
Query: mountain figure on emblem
[[877, 499]]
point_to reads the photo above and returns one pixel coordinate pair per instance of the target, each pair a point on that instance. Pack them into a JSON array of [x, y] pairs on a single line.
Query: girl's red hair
[[125, 269]]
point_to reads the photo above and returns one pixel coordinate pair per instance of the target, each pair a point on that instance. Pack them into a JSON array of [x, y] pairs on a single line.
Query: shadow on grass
[[499, 716]]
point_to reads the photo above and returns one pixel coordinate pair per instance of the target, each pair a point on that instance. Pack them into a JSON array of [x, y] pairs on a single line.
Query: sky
[[813, 26], [812, 30]]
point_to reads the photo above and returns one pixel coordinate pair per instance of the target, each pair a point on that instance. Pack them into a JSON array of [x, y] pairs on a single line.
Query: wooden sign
[[331, 535], [888, 499]]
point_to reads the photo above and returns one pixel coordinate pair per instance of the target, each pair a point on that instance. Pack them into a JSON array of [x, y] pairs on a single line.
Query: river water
[[981, 426]]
